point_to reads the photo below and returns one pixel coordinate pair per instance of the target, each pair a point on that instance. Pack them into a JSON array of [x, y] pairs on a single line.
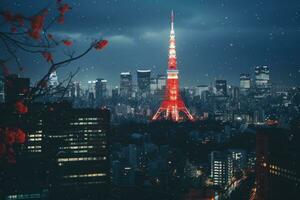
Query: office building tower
[[101, 91], [143, 82], [239, 159], [126, 85], [77, 143], [153, 85], [277, 164], [92, 87], [245, 83], [262, 81], [200, 89], [75, 89], [161, 81], [221, 87], [221, 168]]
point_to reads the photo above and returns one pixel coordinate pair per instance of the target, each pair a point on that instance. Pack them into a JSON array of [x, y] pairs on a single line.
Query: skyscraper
[[221, 87], [143, 82], [245, 83], [277, 164], [126, 84], [172, 105], [262, 81], [221, 168], [76, 140], [101, 90]]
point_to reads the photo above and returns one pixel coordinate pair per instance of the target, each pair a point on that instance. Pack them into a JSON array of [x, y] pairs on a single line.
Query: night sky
[[216, 39]]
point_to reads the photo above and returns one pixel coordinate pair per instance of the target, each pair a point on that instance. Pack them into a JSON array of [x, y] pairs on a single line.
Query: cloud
[[121, 39]]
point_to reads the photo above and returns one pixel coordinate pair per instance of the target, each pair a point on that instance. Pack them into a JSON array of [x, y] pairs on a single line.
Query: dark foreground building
[[65, 155], [278, 164]]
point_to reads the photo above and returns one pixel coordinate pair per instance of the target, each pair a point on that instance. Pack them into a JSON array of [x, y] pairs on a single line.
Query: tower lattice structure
[[172, 106]]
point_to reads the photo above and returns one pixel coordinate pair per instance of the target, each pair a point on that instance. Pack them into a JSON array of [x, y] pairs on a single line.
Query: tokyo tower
[[172, 106]]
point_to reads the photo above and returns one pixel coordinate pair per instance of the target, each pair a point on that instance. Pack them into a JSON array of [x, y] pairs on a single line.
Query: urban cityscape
[[143, 133]]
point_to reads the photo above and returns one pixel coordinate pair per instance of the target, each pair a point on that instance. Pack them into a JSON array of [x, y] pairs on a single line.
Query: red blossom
[[21, 108], [64, 8], [20, 136], [48, 56], [61, 19], [10, 137], [68, 42], [34, 34], [20, 19], [101, 44], [37, 23], [8, 16]]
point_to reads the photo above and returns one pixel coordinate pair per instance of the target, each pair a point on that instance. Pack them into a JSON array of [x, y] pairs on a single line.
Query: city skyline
[[216, 39]]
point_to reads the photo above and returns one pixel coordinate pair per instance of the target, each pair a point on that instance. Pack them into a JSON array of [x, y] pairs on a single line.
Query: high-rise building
[[126, 84], [221, 87], [77, 143], [143, 82], [115, 92], [92, 87], [221, 167], [245, 83], [65, 155], [239, 159], [200, 89], [15, 88], [172, 106], [75, 89], [277, 164], [153, 85], [101, 90], [161, 81], [262, 81]]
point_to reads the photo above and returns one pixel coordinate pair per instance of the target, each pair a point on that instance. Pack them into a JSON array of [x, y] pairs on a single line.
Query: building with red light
[[172, 106]]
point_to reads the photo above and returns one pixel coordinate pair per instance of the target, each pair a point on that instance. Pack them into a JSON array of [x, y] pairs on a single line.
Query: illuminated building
[[262, 81], [126, 84], [77, 141], [200, 89], [172, 105], [75, 89], [221, 166], [221, 87], [245, 83], [143, 82], [101, 90], [161, 81], [277, 164]]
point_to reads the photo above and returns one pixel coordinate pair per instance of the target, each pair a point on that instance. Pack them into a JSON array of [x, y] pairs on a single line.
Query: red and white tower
[[172, 106]]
